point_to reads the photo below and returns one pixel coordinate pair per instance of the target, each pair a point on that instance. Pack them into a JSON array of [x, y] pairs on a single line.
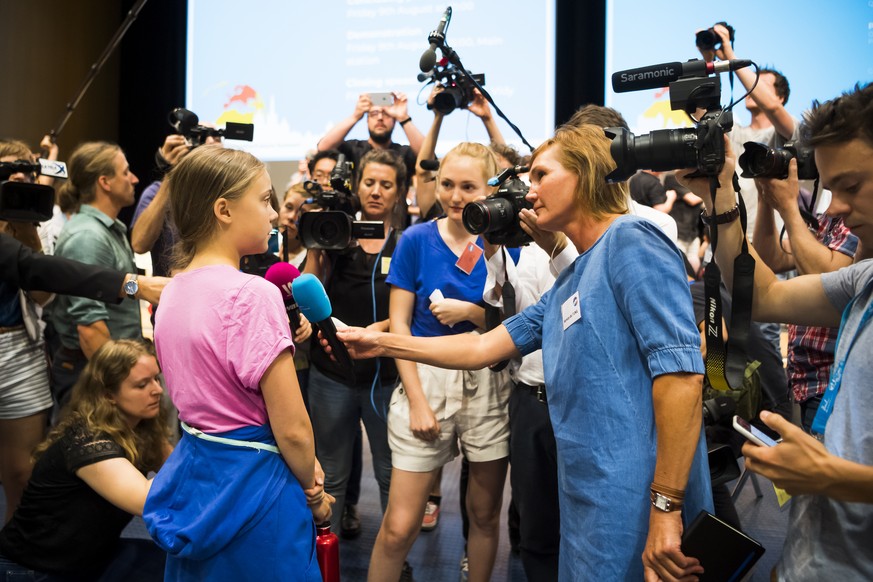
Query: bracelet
[[405, 121], [723, 218]]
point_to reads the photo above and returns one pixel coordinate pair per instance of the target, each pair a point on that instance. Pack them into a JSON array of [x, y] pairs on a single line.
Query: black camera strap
[[492, 314], [725, 364]]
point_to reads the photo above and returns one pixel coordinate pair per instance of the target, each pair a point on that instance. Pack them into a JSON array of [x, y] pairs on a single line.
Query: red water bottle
[[327, 550]]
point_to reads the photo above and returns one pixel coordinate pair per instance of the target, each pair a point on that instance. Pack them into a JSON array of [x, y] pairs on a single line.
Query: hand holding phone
[[382, 99], [743, 427]]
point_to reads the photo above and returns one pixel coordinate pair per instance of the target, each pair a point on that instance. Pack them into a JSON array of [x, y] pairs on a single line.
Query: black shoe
[[350, 524], [406, 573]]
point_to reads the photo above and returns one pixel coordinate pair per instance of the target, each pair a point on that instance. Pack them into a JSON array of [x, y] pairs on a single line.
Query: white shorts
[[24, 379], [470, 406]]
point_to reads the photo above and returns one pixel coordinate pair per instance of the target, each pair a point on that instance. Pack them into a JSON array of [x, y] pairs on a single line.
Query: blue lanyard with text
[[827, 401]]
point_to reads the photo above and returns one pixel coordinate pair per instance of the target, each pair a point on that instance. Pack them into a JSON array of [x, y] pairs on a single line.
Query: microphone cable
[[377, 379]]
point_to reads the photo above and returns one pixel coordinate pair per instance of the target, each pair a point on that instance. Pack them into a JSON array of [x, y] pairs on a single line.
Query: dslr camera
[[458, 89], [709, 40], [496, 218], [761, 161], [700, 147], [26, 201], [335, 227], [187, 124]]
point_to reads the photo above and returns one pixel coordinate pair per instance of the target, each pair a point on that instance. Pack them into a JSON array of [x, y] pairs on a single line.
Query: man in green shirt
[[101, 180]]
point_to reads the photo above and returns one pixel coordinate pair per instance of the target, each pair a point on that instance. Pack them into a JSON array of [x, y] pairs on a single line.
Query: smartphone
[[382, 99], [753, 434]]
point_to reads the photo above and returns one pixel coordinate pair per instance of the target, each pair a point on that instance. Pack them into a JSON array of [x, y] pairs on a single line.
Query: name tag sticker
[[469, 257], [571, 312], [386, 265]]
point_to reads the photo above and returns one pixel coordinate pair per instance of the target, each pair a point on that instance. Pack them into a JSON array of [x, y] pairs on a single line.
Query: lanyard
[[827, 401]]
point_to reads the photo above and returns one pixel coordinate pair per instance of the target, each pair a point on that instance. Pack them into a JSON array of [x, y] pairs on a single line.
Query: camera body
[[457, 88], [700, 147], [25, 201], [761, 161], [496, 218], [335, 227], [187, 124], [708, 40]]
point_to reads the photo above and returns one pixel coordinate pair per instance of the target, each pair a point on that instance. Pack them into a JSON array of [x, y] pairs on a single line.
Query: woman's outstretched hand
[[360, 342]]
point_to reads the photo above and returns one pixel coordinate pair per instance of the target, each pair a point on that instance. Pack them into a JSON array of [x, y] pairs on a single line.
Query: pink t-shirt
[[217, 330]]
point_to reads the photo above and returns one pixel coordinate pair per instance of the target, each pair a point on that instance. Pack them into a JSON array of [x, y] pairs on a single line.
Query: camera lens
[[448, 100], [760, 161], [660, 150], [707, 39], [488, 215], [666, 149]]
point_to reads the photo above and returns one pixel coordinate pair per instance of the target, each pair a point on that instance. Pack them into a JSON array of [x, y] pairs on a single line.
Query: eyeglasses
[[376, 113]]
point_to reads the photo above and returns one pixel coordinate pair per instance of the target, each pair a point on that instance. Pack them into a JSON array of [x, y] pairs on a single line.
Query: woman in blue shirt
[[622, 363]]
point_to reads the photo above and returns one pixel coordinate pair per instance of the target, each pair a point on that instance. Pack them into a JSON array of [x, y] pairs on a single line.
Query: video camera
[[761, 161], [496, 218], [335, 227], [691, 88], [187, 124], [457, 87], [25, 201]]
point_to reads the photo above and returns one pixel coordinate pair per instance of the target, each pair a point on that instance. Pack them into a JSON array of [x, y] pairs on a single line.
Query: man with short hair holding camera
[[831, 521], [828, 248], [771, 123], [380, 123]]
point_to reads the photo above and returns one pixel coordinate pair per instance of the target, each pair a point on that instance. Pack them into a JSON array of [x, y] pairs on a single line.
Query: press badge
[[467, 260], [571, 312], [386, 265]]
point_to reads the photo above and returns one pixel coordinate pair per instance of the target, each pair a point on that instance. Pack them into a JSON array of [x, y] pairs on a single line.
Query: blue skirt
[[231, 513]]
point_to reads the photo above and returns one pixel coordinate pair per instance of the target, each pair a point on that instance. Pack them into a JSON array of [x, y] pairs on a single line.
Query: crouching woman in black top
[[89, 477]]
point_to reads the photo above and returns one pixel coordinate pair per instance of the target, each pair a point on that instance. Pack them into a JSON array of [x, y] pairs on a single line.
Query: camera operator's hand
[[551, 242], [436, 90], [362, 106], [302, 333], [398, 109], [174, 148], [479, 106], [725, 197], [49, 147], [781, 195], [663, 558], [24, 232], [726, 52]]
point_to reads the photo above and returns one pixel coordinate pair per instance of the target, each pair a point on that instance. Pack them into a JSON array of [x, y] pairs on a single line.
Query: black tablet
[[726, 553]]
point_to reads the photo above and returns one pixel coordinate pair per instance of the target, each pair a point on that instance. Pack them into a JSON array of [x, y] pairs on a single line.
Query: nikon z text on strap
[[725, 365]]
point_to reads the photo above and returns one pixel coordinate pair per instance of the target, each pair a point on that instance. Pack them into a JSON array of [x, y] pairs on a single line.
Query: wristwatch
[[664, 503], [131, 287]]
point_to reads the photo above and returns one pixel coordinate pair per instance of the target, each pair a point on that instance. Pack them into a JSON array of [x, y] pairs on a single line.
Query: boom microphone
[[428, 58], [315, 305], [655, 76], [282, 275]]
